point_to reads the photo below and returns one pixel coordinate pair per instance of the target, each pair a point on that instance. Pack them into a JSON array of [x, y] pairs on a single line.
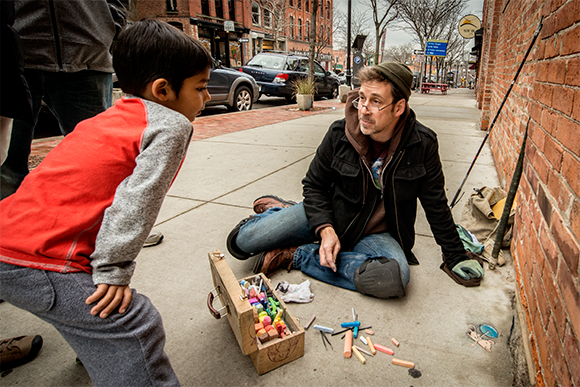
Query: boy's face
[[192, 96]]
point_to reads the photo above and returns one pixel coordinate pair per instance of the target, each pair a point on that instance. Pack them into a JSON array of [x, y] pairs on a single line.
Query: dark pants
[[71, 97]]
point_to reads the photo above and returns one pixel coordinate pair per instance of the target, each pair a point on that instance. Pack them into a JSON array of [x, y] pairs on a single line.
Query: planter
[[304, 101]]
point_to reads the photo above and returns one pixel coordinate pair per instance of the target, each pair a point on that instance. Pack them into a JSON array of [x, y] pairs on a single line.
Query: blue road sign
[[436, 48]]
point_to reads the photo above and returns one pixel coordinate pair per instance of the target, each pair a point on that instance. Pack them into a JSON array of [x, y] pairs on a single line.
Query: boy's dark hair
[[151, 49]]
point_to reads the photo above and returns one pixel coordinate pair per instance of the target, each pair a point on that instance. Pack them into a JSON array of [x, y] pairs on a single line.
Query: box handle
[[213, 311]]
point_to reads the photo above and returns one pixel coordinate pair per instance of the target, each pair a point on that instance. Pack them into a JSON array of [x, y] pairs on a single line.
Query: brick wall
[[546, 239]]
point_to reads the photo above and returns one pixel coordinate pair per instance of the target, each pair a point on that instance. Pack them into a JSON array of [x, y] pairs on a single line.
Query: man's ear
[[162, 90], [400, 107]]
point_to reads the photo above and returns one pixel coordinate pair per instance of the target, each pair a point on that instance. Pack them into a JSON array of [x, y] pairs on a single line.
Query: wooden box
[[240, 315]]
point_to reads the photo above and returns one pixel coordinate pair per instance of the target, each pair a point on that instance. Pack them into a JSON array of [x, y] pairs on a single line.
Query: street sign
[[243, 40], [436, 48], [229, 26], [468, 25], [357, 59]]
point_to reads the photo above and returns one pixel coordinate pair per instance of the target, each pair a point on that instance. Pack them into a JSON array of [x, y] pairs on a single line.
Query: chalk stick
[[365, 342], [363, 350], [369, 332], [384, 349], [395, 342], [371, 346], [310, 322], [358, 355], [403, 363], [323, 329], [347, 344]]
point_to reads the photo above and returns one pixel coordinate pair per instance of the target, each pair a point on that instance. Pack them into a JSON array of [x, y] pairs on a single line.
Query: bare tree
[[384, 13], [279, 13], [401, 53], [430, 19], [312, 39], [358, 26]]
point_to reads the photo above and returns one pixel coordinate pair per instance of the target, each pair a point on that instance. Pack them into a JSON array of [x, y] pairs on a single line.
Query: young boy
[[70, 234]]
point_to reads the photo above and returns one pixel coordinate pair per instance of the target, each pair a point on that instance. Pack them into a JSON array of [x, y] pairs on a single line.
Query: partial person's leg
[[74, 97], [15, 167], [277, 227], [120, 350], [5, 131], [370, 247]]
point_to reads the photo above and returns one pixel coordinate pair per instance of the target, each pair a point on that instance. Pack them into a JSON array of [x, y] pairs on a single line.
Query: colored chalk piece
[[365, 342], [371, 346], [323, 329], [369, 332], [258, 326], [395, 342], [273, 334], [384, 349], [347, 344], [359, 356], [403, 363], [310, 322]]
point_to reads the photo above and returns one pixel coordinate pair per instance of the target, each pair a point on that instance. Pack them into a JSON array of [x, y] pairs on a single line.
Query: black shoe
[[18, 350], [379, 277], [231, 241]]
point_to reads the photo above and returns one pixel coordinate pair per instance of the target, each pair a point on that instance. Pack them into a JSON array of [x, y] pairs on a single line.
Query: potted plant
[[304, 91]]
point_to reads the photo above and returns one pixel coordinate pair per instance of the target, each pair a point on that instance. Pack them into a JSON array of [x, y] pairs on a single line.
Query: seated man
[[360, 199]]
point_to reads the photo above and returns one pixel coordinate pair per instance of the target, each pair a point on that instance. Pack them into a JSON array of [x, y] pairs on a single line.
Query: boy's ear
[[161, 89]]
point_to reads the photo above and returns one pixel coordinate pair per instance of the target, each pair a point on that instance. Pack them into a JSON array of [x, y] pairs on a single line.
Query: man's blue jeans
[[71, 97], [287, 227]]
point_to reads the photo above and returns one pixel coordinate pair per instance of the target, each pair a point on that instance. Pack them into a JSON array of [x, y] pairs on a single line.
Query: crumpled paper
[[295, 293]]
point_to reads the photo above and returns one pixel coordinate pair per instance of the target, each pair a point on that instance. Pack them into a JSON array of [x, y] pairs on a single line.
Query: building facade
[[236, 30], [546, 238]]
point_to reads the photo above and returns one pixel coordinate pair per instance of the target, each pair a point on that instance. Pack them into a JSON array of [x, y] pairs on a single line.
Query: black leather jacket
[[338, 187]]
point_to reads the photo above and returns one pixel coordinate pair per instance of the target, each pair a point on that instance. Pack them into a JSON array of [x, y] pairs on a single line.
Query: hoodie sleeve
[[137, 201]]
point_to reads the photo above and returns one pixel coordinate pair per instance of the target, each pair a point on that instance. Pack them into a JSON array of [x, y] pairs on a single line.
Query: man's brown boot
[[264, 203], [270, 261], [18, 350]]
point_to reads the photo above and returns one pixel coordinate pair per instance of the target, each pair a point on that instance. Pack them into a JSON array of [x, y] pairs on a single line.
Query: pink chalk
[[386, 350], [267, 321]]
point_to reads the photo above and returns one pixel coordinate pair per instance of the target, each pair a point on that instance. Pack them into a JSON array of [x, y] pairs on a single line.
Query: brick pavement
[[215, 125]]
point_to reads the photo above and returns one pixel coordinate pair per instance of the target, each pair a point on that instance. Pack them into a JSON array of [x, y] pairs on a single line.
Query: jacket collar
[[407, 135]]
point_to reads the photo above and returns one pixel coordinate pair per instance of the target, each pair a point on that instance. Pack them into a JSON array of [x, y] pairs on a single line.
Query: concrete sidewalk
[[218, 182]]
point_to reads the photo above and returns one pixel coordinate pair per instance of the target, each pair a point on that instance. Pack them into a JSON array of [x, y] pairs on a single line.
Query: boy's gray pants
[[120, 350]]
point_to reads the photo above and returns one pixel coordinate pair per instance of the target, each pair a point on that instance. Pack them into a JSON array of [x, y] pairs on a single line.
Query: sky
[[394, 37]]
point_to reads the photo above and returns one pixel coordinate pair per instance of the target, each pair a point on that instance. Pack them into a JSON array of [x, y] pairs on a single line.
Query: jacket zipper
[[399, 158], [55, 32]]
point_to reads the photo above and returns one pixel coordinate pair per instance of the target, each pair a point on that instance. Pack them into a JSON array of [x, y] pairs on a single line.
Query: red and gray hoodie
[[91, 203]]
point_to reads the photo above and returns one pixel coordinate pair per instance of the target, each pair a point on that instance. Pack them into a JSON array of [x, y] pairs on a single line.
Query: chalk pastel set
[[268, 321]]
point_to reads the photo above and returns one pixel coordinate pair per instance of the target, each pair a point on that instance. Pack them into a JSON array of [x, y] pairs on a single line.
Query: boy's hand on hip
[[110, 297], [329, 247]]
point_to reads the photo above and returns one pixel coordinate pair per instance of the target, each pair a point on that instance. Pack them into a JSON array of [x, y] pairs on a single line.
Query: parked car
[[275, 73], [236, 90], [342, 77]]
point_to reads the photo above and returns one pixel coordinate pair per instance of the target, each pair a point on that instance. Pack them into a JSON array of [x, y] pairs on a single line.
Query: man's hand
[[110, 297], [329, 247], [468, 269]]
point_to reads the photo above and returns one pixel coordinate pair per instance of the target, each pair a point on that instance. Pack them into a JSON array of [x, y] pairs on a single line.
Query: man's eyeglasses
[[371, 108]]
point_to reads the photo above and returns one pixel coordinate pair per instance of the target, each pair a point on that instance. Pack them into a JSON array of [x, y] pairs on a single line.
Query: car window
[[318, 69], [291, 64], [303, 66], [267, 61]]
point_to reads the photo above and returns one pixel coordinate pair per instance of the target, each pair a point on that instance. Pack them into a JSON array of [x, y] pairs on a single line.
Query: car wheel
[[334, 93], [242, 99]]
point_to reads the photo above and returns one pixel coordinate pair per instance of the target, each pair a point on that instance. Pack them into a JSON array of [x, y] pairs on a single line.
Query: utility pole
[[348, 38]]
